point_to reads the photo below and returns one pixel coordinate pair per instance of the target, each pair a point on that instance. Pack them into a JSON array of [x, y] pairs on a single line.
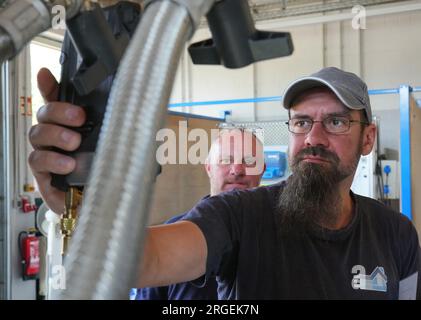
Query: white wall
[[273, 76], [386, 54], [213, 82]]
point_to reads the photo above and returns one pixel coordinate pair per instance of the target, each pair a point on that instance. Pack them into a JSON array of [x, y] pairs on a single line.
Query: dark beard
[[311, 196]]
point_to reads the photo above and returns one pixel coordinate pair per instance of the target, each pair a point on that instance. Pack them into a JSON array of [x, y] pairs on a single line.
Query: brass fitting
[[68, 220]]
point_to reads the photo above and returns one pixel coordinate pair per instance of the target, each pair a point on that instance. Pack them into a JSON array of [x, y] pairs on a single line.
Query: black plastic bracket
[[235, 42]]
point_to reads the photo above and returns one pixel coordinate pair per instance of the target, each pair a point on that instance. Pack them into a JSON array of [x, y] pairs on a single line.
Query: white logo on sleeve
[[376, 281]]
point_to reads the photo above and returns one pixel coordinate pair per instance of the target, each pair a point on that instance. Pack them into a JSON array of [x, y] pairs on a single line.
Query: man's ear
[[369, 139], [208, 168]]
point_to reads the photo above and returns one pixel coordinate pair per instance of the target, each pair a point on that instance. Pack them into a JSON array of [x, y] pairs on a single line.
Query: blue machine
[[276, 163]]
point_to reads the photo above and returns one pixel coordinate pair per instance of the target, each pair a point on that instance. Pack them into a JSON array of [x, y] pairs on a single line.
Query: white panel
[[364, 180]]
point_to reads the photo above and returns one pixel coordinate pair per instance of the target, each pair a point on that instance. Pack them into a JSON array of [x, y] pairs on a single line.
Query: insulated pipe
[[104, 254], [22, 20]]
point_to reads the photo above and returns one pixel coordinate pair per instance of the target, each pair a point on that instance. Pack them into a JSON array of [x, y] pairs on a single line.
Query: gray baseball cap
[[347, 86]]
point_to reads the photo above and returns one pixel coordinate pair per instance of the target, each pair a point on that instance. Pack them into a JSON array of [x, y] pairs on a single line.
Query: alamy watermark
[[230, 147], [57, 277], [59, 17], [359, 20]]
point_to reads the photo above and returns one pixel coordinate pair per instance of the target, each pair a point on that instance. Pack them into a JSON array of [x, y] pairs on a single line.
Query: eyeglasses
[[239, 126], [256, 131], [229, 160], [333, 124]]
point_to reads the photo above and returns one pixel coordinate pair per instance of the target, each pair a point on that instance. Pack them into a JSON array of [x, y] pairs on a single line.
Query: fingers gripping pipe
[[104, 254]]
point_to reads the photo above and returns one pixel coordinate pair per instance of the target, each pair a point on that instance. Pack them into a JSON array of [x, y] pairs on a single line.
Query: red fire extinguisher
[[29, 248]]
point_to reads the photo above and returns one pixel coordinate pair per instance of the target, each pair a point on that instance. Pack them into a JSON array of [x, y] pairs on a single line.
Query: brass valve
[[69, 218]]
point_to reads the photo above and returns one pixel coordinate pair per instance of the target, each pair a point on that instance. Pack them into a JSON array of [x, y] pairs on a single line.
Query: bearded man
[[308, 238]]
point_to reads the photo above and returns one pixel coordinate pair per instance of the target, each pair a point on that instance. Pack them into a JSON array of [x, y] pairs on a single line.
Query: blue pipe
[[217, 102], [405, 151], [383, 91], [271, 99]]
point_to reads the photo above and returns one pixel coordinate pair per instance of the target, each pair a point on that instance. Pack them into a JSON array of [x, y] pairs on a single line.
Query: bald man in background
[[225, 174]]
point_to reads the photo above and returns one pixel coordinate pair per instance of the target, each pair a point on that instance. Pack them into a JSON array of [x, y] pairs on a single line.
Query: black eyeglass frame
[[350, 121]]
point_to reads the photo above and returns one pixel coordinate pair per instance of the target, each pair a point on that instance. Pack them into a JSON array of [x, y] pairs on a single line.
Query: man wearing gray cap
[[308, 238]]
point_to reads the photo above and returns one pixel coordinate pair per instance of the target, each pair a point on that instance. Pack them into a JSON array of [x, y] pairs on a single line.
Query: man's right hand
[[51, 132]]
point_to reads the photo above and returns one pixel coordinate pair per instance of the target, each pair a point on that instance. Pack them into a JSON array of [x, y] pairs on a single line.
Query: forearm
[[172, 254], [149, 263]]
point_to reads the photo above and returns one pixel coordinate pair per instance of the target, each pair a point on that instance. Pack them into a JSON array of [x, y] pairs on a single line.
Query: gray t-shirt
[[251, 259]]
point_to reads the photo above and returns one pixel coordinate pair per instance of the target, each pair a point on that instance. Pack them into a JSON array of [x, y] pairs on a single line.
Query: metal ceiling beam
[[275, 10], [378, 10]]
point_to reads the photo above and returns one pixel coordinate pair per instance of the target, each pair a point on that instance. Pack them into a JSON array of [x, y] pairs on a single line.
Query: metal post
[[405, 151], [5, 249]]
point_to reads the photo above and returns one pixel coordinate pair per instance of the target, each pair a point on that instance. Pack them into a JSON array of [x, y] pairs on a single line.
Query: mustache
[[316, 151]]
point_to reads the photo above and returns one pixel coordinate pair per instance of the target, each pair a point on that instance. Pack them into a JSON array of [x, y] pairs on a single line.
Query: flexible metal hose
[[104, 254], [22, 20]]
